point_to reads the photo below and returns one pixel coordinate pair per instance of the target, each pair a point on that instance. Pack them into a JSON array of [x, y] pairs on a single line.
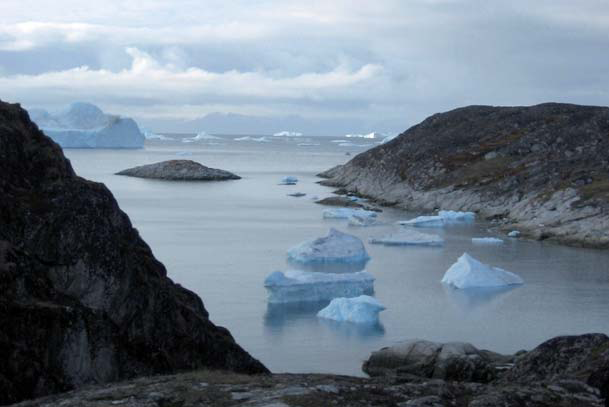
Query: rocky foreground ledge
[[542, 169], [179, 170], [82, 298], [564, 371]]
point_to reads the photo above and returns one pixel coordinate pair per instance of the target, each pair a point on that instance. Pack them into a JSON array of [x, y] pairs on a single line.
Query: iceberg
[[514, 233], [84, 125], [286, 133], [359, 220], [313, 286], [289, 180], [257, 139], [468, 272], [424, 221], [456, 216], [148, 135], [336, 247], [200, 136], [361, 310], [409, 238], [346, 213], [372, 135], [486, 240]]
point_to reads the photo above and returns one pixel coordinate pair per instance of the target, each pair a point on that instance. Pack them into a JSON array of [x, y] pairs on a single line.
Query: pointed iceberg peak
[[468, 272], [336, 247]]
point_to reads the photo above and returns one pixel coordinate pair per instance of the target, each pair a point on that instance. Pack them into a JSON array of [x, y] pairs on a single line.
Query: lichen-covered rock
[[82, 298], [543, 168], [179, 170]]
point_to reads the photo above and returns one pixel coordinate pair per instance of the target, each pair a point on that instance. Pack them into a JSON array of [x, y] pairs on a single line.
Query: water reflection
[[351, 330], [472, 298], [278, 315], [329, 267]]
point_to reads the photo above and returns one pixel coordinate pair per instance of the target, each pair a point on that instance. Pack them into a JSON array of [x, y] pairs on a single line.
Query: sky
[[383, 64]]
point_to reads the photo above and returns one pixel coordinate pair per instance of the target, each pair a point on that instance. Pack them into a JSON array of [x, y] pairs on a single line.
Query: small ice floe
[[468, 272], [457, 216], [430, 221], [286, 133], [199, 137], [346, 213], [486, 240], [262, 139], [312, 286], [289, 180], [514, 233], [358, 220], [361, 310], [336, 247], [297, 194], [408, 237]]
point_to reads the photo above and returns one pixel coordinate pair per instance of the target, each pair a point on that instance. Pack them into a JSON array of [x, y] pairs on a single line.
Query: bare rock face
[[544, 168], [82, 298], [179, 170]]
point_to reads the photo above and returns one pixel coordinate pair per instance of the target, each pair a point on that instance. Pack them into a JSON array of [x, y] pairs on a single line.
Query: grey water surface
[[221, 239]]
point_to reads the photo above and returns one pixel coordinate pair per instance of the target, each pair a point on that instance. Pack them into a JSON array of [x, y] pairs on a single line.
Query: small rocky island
[[543, 170], [179, 170]]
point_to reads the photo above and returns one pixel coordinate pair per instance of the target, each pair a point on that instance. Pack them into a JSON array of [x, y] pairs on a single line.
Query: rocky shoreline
[[542, 169]]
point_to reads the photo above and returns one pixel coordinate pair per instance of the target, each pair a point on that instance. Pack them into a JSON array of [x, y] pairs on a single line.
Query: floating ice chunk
[[200, 136], [286, 133], [336, 247], [468, 272], [514, 233], [456, 216], [153, 136], [362, 310], [486, 240], [372, 135], [359, 220], [289, 180], [84, 125], [432, 221], [312, 286], [409, 237], [346, 213], [250, 138]]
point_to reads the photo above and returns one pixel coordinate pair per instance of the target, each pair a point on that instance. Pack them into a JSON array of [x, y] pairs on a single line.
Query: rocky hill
[[542, 169], [82, 298]]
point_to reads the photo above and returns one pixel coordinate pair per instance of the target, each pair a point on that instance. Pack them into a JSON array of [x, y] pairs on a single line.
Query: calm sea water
[[222, 239]]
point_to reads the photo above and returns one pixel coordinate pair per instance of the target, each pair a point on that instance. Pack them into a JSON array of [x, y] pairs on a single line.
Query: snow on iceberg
[[457, 216], [361, 310], [336, 247], [84, 125], [468, 272], [346, 213], [313, 286], [289, 180], [486, 240], [409, 237], [286, 133]]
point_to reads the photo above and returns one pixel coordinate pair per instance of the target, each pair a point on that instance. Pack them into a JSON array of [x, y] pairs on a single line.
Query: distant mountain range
[[232, 123]]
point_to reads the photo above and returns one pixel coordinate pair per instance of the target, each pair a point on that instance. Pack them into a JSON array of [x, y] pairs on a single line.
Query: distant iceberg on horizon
[[199, 137], [286, 133], [84, 125], [373, 135], [262, 139]]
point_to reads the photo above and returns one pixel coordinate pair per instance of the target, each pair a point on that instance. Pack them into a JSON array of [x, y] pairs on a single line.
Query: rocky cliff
[[82, 298], [543, 169]]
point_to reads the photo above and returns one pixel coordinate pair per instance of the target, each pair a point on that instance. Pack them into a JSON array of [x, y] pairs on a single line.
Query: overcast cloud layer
[[387, 62]]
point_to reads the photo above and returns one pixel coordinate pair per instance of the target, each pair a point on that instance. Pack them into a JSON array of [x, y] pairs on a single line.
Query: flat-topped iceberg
[[432, 221], [359, 220], [486, 240], [312, 286], [84, 125], [289, 180], [408, 237], [362, 310], [336, 247], [346, 213], [468, 272]]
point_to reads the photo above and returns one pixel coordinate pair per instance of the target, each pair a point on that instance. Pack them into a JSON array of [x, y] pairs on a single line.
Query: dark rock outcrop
[[544, 168], [82, 298], [179, 170]]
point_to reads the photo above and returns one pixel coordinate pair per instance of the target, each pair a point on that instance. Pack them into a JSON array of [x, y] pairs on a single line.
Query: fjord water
[[221, 239]]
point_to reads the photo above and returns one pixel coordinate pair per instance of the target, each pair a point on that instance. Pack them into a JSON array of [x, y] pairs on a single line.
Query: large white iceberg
[[486, 240], [409, 237], [336, 247], [468, 272], [286, 133], [362, 310], [313, 286], [346, 213], [84, 125]]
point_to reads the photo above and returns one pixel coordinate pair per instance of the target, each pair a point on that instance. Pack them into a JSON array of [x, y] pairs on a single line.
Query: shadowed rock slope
[[82, 298], [543, 169]]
